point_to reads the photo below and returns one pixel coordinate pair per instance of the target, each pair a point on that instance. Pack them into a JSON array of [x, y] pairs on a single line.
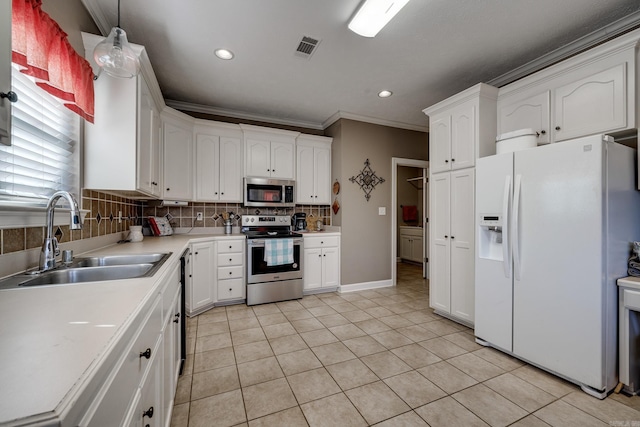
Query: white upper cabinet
[[313, 178], [269, 152], [462, 128], [5, 71], [531, 112], [149, 126], [178, 156], [218, 162]]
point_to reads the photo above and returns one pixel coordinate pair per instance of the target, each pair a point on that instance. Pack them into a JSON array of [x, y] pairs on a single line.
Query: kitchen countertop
[[630, 282], [55, 338]]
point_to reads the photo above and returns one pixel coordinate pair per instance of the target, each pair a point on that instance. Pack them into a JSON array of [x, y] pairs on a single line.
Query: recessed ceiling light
[[385, 93], [224, 54]]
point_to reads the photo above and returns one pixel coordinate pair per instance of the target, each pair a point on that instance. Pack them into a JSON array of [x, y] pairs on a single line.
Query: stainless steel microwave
[[266, 192]]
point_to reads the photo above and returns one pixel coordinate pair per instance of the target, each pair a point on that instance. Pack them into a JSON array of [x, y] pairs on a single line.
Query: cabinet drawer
[[320, 242], [230, 289], [228, 259], [226, 246], [234, 272]]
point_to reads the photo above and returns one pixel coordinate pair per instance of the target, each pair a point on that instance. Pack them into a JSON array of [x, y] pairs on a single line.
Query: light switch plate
[[382, 210]]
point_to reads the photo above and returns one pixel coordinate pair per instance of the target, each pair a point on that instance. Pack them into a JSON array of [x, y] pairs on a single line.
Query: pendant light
[[114, 54]]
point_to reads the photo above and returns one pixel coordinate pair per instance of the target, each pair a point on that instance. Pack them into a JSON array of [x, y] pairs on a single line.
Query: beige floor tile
[[630, 401], [278, 330], [333, 353], [396, 321], [499, 359], [213, 359], [187, 368], [607, 410], [364, 346], [446, 412], [213, 342], [364, 304], [247, 336], [333, 320], [357, 316], [252, 351], [311, 301], [520, 392], [400, 308], [183, 390], [351, 374], [379, 311], [385, 364], [415, 356], [218, 314], [298, 361], [332, 411], [180, 415], [292, 417], [306, 325], [351, 297], [408, 419], [245, 323], [440, 327], [287, 344], [323, 310], [292, 305], [318, 337], [298, 315], [212, 328], [215, 381], [416, 333], [312, 385], [494, 409], [259, 371], [227, 409], [447, 377], [272, 319], [372, 326], [418, 316], [530, 421], [376, 402], [414, 389], [267, 398], [464, 340], [344, 307], [547, 382], [263, 309], [476, 367], [332, 300], [348, 331], [391, 339], [442, 348], [560, 414], [240, 314]]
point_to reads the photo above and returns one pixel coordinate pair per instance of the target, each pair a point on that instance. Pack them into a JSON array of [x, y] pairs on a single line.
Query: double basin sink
[[91, 269]]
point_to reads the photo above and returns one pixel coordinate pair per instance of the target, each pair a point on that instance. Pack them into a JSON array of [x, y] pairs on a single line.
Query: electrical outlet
[[119, 217], [199, 216]]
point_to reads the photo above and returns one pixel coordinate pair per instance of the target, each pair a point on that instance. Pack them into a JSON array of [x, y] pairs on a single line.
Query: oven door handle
[[259, 243]]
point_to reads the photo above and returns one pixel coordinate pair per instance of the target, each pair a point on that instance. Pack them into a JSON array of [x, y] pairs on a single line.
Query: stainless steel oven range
[[274, 259]]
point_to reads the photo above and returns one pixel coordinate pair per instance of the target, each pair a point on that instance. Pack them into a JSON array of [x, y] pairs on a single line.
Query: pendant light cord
[[118, 13]]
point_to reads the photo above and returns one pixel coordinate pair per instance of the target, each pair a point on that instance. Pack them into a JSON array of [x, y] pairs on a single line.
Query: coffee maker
[[299, 221]]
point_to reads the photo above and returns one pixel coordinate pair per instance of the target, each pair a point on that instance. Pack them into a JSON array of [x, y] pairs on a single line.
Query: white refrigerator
[[554, 230]]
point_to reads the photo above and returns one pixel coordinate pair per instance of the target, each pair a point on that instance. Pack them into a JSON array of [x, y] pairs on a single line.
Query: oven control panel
[[262, 220]]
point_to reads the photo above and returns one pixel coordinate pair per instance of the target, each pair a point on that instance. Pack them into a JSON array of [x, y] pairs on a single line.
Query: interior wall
[[365, 249], [73, 18]]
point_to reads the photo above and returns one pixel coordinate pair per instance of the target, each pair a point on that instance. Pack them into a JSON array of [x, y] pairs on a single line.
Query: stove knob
[[253, 219]]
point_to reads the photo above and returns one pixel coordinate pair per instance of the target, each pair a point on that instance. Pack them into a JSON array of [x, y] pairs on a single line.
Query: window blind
[[44, 153]]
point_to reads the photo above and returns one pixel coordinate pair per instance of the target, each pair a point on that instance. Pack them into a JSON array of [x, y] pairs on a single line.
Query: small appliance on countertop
[[299, 221]]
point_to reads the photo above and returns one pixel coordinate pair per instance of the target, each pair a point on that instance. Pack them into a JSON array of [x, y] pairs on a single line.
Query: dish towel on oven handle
[[278, 251]]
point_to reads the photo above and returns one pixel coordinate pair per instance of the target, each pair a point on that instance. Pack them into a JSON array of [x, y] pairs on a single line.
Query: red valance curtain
[[41, 47]]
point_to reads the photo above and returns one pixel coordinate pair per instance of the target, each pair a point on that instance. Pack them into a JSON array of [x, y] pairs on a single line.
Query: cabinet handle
[[446, 236], [453, 237], [231, 272], [268, 170], [11, 96], [168, 189], [146, 354], [230, 259], [543, 131], [177, 318], [222, 194], [176, 321], [215, 193], [230, 289], [446, 161], [319, 255], [324, 255], [148, 413], [229, 247], [196, 253], [453, 160], [557, 127]]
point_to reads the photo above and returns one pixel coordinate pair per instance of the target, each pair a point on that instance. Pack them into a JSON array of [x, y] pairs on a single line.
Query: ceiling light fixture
[[385, 93], [114, 54], [373, 15], [224, 54]]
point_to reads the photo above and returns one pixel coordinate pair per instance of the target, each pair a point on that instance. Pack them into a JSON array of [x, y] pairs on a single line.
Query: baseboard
[[365, 286]]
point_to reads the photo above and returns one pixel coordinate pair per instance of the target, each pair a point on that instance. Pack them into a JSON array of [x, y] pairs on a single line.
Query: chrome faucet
[[50, 247]]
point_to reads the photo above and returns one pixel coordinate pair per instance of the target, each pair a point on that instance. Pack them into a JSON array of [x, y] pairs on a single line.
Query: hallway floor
[[363, 358]]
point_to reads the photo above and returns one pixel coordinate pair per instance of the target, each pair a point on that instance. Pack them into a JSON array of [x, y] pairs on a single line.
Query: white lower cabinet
[[230, 270], [202, 290], [321, 263], [411, 244]]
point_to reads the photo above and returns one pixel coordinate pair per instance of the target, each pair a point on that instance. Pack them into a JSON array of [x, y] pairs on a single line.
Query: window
[[45, 146]]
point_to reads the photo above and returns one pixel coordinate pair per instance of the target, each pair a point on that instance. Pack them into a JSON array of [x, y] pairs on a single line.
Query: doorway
[[410, 189]]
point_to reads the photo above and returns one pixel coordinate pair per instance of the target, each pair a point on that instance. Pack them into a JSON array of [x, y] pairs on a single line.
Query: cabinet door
[[282, 160], [177, 162], [305, 180], [405, 247], [529, 113], [462, 244], [258, 157], [230, 169], [146, 133], [463, 136], [439, 203], [156, 154], [417, 249], [322, 174], [150, 398], [330, 267], [5, 71], [440, 143], [312, 268], [591, 105], [207, 161], [202, 281]]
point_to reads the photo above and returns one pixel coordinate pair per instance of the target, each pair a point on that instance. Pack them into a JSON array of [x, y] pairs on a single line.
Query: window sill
[[15, 216]]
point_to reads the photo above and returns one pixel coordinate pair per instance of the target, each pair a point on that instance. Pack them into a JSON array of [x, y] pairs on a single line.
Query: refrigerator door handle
[[516, 227], [506, 258]]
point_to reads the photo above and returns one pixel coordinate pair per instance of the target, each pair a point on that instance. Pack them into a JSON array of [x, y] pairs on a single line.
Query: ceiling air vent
[[306, 47]]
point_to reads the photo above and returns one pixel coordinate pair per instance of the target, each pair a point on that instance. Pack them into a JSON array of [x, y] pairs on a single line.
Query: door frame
[[395, 162]]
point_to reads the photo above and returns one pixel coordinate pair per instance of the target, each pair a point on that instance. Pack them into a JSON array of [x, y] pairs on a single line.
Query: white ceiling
[[431, 50]]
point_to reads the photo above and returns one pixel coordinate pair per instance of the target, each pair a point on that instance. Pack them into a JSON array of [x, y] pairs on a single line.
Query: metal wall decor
[[367, 179]]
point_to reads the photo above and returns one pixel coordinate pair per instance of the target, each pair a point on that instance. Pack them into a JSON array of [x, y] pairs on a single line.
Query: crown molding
[[374, 120]]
